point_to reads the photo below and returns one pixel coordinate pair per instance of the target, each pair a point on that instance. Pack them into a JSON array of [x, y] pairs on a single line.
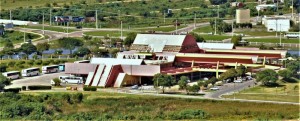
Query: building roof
[[157, 42], [203, 45], [116, 61]]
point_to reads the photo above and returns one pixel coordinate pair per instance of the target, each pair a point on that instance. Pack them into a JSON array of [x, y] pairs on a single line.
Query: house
[[278, 24]]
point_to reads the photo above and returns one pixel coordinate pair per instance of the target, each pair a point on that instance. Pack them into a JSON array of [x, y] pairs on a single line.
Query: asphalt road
[[44, 79], [230, 88]]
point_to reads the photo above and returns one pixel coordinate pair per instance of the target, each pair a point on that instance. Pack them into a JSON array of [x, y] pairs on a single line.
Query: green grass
[[274, 40], [215, 37], [254, 33], [51, 28], [205, 29], [17, 37], [105, 33], [115, 106], [163, 29], [270, 93]]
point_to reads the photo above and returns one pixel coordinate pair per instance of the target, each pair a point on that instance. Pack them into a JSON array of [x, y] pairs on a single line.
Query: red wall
[[189, 41], [116, 69], [221, 60]]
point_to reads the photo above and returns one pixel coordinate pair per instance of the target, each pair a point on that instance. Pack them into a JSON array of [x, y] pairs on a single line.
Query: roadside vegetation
[[15, 37], [107, 106], [51, 28]]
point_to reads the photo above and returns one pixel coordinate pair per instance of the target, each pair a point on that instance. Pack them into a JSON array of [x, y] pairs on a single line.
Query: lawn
[[215, 37], [205, 29], [106, 33], [274, 40], [51, 28], [17, 37], [255, 32], [163, 29], [115, 106], [289, 94]]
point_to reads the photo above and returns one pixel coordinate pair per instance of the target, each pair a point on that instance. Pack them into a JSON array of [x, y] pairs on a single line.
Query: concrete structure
[[242, 16], [277, 24], [17, 22], [174, 55], [265, 6]]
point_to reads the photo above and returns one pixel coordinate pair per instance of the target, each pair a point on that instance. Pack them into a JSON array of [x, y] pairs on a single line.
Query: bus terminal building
[[175, 55]]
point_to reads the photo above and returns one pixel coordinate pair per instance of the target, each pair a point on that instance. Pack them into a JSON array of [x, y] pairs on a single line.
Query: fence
[[292, 45]]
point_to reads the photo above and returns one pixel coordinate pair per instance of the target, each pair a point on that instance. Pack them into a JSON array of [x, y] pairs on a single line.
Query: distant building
[[265, 6], [237, 4], [242, 16], [277, 24], [8, 25], [90, 19]]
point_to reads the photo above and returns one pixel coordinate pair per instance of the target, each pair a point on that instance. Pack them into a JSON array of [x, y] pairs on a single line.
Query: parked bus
[[72, 80], [50, 69], [30, 72], [61, 67], [12, 75], [292, 35], [82, 61]]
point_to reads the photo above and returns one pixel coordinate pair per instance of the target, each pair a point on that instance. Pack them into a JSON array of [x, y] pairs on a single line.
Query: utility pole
[[43, 23], [68, 29], [10, 16], [164, 18], [215, 26], [277, 7], [232, 27], [195, 21], [121, 30], [96, 19], [119, 12], [24, 35], [218, 12], [176, 26], [276, 27], [292, 9], [280, 34], [50, 16]]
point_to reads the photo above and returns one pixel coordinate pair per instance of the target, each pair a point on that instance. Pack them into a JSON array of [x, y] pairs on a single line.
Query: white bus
[[50, 69], [82, 61], [31, 72], [72, 80], [12, 75], [292, 35]]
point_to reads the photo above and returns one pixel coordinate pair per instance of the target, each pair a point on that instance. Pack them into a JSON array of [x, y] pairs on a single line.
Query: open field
[[17, 37], [51, 28], [215, 37], [205, 29], [115, 106], [285, 92], [274, 40], [254, 32], [106, 33], [163, 29]]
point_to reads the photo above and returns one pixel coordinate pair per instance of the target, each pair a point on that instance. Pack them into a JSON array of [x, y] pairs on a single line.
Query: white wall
[[17, 22], [278, 25]]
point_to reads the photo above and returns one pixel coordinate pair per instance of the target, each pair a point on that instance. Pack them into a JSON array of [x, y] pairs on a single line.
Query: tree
[[197, 37], [163, 80], [42, 47], [268, 77], [56, 81], [229, 74], [195, 88], [213, 80], [69, 43], [87, 38], [293, 66], [183, 82], [217, 2], [285, 74], [130, 38], [241, 70], [28, 48], [3, 81], [82, 51], [235, 40], [8, 45], [113, 51]]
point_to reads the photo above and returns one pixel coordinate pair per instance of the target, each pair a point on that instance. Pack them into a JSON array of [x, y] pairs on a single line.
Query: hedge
[[23, 88], [15, 90], [39, 87], [86, 88]]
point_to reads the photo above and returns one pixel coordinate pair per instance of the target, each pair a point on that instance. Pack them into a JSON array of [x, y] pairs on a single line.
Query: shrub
[[23, 88], [39, 87], [51, 61], [56, 61], [56, 81], [20, 62], [87, 88], [38, 62], [46, 62], [78, 97], [63, 61], [15, 90], [11, 63], [3, 67], [30, 62]]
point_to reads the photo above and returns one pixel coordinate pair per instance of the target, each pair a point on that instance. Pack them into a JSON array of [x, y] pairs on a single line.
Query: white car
[[214, 88], [238, 81]]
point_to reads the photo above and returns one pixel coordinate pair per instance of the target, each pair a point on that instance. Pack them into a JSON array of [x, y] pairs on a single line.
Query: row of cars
[[69, 80]]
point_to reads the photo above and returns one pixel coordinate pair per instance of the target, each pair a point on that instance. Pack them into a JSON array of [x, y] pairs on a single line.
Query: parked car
[[238, 81], [135, 87], [214, 88], [249, 77]]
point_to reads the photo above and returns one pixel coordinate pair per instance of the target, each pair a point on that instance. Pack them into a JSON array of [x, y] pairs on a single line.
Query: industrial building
[[243, 16], [278, 24], [175, 55]]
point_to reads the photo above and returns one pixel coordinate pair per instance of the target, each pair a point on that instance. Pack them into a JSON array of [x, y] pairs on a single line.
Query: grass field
[[17, 37], [51, 28], [115, 106], [163, 29], [274, 40], [106, 33], [290, 94], [251, 32], [205, 29], [215, 37]]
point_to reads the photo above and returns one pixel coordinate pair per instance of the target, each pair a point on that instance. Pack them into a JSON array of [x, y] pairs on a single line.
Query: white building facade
[[277, 24]]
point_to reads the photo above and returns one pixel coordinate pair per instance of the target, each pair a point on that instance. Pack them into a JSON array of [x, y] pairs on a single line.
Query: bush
[[56, 61], [23, 88], [51, 61], [11, 63], [46, 63], [56, 81], [20, 62], [30, 62], [87, 88], [14, 90], [3, 67], [38, 62], [63, 61], [39, 87]]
